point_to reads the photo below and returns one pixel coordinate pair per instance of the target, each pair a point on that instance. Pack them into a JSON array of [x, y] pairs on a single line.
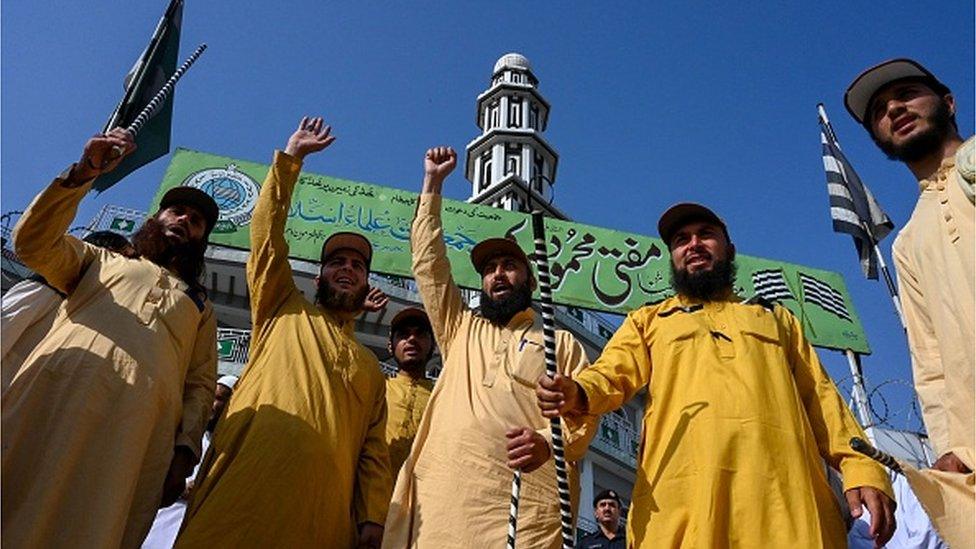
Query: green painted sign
[[592, 268]]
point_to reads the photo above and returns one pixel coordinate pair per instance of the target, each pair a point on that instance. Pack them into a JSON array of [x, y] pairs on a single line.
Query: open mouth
[[344, 282], [697, 260], [499, 290], [177, 231], [903, 124]]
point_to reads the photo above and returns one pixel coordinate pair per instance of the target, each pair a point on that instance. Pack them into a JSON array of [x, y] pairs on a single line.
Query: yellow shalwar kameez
[[934, 257], [455, 487], [125, 375], [406, 400], [300, 457], [739, 416]]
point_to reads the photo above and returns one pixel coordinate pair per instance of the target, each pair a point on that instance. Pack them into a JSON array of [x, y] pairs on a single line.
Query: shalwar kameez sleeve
[[432, 270], [40, 238], [269, 276], [831, 420]]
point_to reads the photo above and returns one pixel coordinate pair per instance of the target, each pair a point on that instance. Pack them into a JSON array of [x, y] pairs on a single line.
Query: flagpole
[[861, 406], [889, 281], [882, 265]]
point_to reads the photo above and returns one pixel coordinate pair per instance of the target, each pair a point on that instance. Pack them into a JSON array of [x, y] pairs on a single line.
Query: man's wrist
[[78, 174]]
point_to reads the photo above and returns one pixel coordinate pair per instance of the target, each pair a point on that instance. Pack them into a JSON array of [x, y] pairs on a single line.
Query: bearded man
[[740, 414], [104, 419], [481, 422], [911, 116], [300, 458]]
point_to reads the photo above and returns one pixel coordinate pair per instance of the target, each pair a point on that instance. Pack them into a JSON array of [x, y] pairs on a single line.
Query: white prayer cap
[[228, 381]]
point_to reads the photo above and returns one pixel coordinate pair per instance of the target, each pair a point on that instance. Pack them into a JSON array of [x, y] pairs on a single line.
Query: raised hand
[[438, 163], [102, 154], [376, 300], [310, 137]]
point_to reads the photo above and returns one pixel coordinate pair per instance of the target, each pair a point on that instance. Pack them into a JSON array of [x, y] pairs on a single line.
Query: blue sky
[[652, 103]]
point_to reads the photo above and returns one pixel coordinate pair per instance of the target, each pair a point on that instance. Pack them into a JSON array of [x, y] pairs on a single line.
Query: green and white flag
[[156, 64]]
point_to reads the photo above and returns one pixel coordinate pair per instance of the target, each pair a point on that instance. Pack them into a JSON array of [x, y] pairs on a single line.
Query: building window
[[485, 171], [515, 112], [493, 113], [513, 159], [537, 164], [516, 77], [534, 117]]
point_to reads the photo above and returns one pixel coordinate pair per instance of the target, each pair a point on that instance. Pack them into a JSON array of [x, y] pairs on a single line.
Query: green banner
[[592, 268]]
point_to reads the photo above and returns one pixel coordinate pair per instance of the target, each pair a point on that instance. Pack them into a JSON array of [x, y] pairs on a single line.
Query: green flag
[[156, 64]]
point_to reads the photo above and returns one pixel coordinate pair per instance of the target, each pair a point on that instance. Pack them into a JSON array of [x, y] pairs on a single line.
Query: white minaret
[[510, 165]]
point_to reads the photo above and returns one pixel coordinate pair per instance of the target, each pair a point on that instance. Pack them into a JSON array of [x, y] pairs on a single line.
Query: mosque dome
[[512, 61]]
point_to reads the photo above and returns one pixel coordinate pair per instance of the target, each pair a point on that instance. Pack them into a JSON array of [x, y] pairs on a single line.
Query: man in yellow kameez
[[407, 393], [911, 116], [740, 414], [300, 458], [105, 417], [481, 423]]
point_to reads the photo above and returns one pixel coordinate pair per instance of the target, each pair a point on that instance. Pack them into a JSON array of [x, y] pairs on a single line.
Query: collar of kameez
[[346, 321], [947, 164], [687, 301], [525, 316]]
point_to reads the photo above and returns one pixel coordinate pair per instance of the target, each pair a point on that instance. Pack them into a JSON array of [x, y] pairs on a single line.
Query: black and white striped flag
[[853, 208], [771, 285], [822, 295]]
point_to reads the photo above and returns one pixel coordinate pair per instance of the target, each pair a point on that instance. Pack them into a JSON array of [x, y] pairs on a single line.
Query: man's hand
[[951, 464], [559, 396], [311, 136], [179, 469], [370, 536], [880, 506], [439, 162], [101, 155], [527, 449], [376, 300]]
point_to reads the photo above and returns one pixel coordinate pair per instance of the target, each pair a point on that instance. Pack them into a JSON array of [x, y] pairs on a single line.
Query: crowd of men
[[116, 427]]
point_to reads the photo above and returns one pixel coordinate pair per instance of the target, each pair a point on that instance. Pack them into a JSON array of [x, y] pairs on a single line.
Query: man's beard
[[500, 311], [706, 285], [185, 258], [339, 300], [924, 144]]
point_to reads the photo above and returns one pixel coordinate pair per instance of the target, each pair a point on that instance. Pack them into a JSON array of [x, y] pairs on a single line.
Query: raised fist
[[311, 136], [439, 162]]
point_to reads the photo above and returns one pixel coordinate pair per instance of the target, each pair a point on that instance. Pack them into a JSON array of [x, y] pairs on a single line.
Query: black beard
[[500, 311], [924, 144], [335, 300], [413, 366], [707, 285], [185, 258]]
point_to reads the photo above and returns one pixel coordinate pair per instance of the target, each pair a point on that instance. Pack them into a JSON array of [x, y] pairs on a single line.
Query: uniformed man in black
[[609, 534]]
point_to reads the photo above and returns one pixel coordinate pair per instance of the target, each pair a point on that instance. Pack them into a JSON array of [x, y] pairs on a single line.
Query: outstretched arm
[[269, 276], [39, 238], [431, 268]]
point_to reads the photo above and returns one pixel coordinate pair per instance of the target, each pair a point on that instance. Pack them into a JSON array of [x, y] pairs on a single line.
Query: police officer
[[609, 535]]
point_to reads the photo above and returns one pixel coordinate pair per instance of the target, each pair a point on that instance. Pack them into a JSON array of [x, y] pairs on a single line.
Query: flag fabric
[[153, 68], [824, 296], [770, 284], [853, 208]]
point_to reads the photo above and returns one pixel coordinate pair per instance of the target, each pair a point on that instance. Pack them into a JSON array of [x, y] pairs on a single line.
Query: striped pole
[[161, 96], [862, 447], [513, 508], [549, 341]]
